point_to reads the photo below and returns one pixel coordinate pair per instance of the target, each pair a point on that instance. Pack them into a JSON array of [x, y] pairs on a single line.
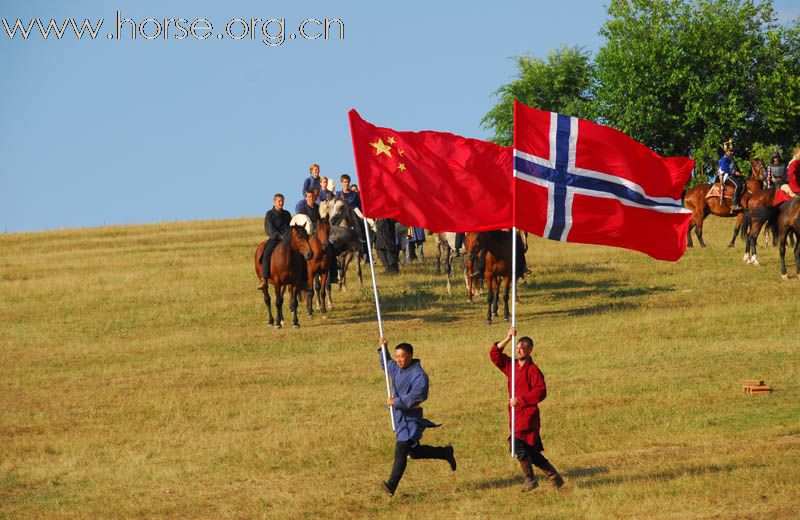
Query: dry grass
[[140, 379]]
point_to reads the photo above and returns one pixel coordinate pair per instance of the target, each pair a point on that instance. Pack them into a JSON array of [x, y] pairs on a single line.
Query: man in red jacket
[[530, 391]]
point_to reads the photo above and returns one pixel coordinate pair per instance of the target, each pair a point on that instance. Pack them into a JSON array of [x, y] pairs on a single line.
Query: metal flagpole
[[513, 300], [513, 325], [380, 323]]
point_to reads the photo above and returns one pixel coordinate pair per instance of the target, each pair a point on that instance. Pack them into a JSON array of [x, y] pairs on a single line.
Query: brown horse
[[287, 266], [759, 212], [497, 269], [319, 267], [789, 221], [695, 199], [473, 242]]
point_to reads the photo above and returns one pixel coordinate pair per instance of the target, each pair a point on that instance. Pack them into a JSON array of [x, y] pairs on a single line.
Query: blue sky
[[109, 131]]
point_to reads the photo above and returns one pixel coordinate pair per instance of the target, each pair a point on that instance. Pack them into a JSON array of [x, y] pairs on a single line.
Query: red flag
[[435, 180], [578, 181]]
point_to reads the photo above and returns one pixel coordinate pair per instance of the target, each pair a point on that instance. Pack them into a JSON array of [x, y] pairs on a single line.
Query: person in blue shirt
[[729, 172], [313, 181], [409, 390], [352, 197]]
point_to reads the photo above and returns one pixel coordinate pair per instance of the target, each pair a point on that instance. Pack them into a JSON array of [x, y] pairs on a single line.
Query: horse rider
[[729, 172], [309, 207], [312, 181], [276, 225], [792, 186], [776, 172]]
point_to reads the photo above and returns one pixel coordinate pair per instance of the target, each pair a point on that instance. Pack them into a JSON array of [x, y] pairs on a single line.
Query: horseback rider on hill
[[729, 172], [276, 225]]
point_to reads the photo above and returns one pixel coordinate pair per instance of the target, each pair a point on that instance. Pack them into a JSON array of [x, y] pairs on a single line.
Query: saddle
[[715, 190]]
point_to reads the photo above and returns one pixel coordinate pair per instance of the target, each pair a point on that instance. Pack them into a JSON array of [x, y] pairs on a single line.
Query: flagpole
[[513, 324], [513, 290], [380, 323]]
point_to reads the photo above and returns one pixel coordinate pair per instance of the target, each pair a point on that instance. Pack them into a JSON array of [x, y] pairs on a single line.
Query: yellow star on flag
[[381, 147], [401, 167], [400, 152], [391, 140]]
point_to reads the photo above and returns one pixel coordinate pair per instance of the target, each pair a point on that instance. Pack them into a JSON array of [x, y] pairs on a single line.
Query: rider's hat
[[728, 146]]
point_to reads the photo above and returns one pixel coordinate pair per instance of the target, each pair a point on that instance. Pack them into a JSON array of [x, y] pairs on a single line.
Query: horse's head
[[757, 168], [335, 211], [300, 242], [323, 232]]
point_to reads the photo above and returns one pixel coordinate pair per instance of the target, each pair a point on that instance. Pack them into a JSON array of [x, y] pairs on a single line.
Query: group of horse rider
[[316, 189], [779, 175]]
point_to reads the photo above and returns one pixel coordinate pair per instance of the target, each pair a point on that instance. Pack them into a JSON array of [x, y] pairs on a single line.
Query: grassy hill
[[139, 378]]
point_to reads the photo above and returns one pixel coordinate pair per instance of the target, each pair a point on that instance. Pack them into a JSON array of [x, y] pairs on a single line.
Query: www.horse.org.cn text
[[272, 32]]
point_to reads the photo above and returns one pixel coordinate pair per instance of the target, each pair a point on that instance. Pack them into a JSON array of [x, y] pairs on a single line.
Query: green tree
[[682, 77], [562, 83]]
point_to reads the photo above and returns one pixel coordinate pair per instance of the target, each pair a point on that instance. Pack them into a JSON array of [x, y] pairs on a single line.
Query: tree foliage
[[681, 76], [562, 83]]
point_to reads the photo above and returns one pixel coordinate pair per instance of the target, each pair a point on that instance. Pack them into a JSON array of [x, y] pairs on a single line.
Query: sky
[[117, 131]]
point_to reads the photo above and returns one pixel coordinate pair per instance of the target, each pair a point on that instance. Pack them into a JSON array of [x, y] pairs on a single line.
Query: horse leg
[[439, 259], [448, 269], [295, 298], [268, 303], [358, 265], [348, 257], [782, 251], [309, 295], [279, 290], [506, 290], [756, 229], [323, 292], [797, 258], [489, 295], [736, 229]]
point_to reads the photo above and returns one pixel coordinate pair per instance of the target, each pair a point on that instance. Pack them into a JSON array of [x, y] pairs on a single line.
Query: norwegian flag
[[578, 181]]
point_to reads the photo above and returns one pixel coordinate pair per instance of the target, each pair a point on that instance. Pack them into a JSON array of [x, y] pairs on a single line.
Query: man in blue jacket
[[410, 389], [729, 172]]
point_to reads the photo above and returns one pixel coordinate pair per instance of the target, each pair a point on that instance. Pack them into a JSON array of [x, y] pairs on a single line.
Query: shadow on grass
[[662, 475], [503, 482]]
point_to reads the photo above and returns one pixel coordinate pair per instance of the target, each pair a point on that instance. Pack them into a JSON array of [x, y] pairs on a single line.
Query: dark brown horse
[[287, 267], [701, 206], [319, 267], [789, 222], [497, 270], [759, 212]]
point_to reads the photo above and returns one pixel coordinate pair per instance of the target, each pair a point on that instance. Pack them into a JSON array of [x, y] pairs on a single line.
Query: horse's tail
[[768, 214]]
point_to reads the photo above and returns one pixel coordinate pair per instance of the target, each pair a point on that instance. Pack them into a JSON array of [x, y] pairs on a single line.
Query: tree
[[562, 83], [682, 77]]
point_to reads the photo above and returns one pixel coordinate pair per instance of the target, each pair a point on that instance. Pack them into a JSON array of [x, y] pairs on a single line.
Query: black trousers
[[388, 258], [460, 240], [523, 450], [265, 257], [405, 449]]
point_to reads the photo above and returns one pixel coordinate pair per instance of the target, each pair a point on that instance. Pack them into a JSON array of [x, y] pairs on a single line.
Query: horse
[[789, 221], [760, 211], [497, 269], [319, 264], [696, 200], [473, 242], [445, 247], [287, 264], [343, 237]]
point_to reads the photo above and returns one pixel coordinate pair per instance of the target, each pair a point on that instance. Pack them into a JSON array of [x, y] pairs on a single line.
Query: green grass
[[139, 378]]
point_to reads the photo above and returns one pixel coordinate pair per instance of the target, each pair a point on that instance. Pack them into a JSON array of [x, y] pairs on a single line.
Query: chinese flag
[[434, 180]]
